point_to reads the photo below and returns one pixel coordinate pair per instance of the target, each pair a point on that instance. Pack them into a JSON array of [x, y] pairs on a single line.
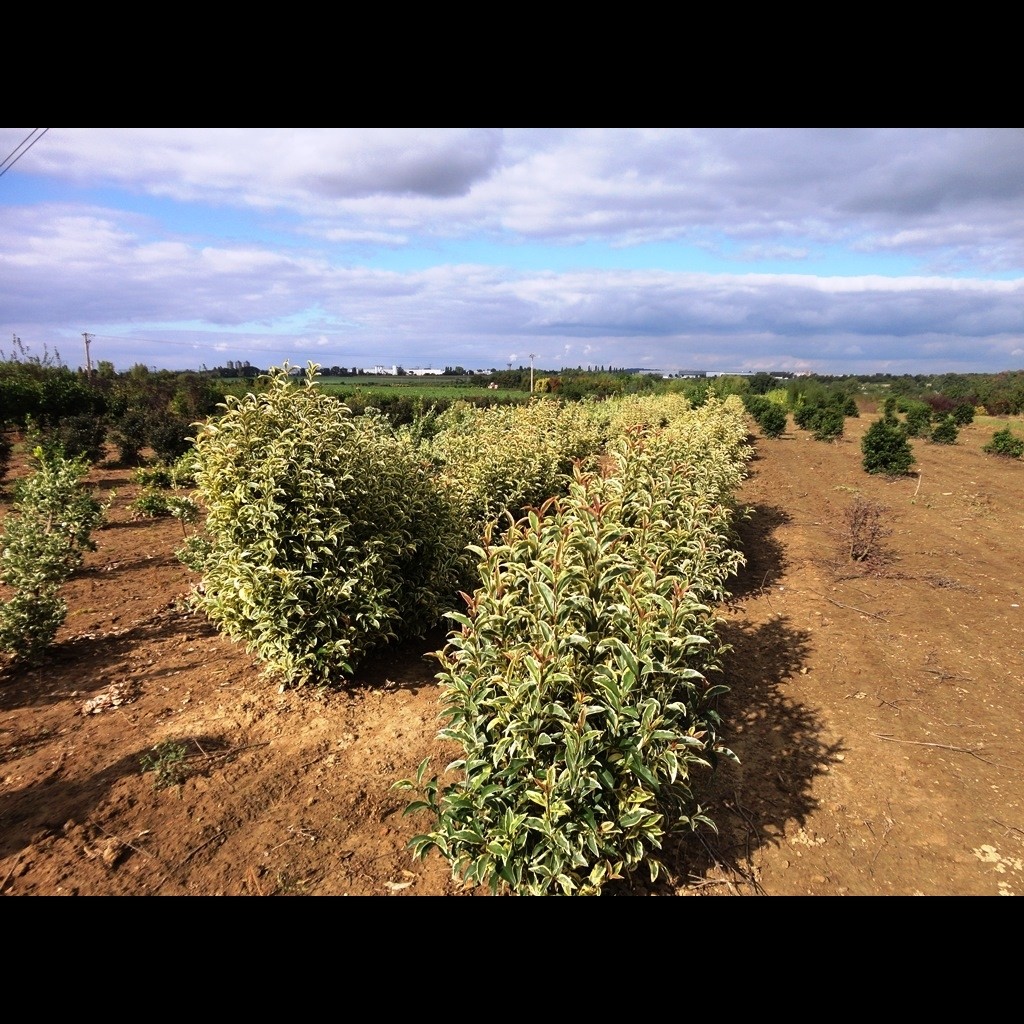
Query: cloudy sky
[[833, 250]]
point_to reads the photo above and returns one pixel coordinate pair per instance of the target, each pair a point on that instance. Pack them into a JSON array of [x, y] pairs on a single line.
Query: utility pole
[[532, 357], [88, 358]]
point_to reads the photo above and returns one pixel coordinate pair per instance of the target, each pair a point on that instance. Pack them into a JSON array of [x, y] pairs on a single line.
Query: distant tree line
[[82, 412], [157, 408]]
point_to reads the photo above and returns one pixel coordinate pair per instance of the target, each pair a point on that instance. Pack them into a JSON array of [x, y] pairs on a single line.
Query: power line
[[10, 160], [18, 146]]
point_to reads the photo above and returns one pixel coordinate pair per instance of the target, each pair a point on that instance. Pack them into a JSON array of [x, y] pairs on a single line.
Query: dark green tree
[[946, 432], [886, 449]]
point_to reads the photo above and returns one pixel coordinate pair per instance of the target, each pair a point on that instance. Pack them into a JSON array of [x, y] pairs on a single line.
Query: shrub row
[[509, 457], [577, 684]]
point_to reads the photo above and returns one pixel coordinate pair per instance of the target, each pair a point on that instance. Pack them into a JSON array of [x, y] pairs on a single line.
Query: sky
[[843, 250]]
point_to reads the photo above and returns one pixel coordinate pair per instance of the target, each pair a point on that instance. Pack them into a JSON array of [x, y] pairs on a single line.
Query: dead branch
[[944, 746], [849, 607], [215, 754], [131, 846], [1012, 828], [188, 856]]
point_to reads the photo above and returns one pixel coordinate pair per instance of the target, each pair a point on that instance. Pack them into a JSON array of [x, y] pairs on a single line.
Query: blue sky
[[830, 250]]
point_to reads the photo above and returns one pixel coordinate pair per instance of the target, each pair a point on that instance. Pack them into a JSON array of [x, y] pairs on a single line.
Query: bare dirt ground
[[877, 712]]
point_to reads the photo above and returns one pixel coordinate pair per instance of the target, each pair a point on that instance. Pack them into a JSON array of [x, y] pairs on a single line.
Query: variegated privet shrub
[[509, 457], [327, 536], [644, 411], [577, 685], [44, 538]]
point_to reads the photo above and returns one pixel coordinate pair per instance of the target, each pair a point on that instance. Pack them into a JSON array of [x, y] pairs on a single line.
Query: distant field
[[414, 387], [1015, 423]]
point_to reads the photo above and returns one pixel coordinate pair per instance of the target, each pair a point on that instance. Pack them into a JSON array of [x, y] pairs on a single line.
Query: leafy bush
[[577, 686], [80, 436], [770, 416], [159, 475], [772, 420], [827, 423], [825, 419], [327, 535], [803, 414], [129, 435], [886, 449], [1005, 443], [755, 404], [185, 509], [183, 470], [168, 435], [946, 432], [621, 415], [20, 399], [164, 475], [963, 414], [44, 537], [919, 419]]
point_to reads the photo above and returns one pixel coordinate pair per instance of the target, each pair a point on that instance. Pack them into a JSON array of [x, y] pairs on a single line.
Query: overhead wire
[[10, 160]]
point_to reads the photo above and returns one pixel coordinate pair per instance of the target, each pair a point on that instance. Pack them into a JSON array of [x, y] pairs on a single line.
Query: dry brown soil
[[876, 710]]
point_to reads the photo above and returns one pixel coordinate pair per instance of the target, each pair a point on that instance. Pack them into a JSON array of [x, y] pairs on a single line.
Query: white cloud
[[266, 243], [889, 188]]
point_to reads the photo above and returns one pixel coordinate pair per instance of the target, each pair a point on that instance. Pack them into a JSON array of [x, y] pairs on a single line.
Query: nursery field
[[876, 708]]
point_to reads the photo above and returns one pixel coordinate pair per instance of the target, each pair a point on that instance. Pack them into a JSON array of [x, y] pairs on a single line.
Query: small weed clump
[[167, 762], [151, 504]]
